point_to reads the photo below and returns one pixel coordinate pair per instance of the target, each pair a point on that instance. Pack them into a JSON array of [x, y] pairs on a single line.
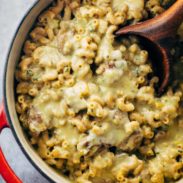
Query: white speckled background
[[11, 12]]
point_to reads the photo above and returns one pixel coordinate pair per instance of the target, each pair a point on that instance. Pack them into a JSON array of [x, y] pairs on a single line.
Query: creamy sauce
[[87, 101]]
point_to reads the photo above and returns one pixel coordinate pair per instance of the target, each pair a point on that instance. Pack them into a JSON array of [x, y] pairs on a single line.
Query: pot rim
[[5, 95]]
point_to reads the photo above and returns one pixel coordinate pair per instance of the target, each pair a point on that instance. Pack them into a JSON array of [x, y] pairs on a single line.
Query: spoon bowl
[[158, 36]]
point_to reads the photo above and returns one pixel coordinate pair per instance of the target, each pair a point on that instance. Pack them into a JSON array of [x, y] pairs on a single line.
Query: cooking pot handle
[[5, 170]]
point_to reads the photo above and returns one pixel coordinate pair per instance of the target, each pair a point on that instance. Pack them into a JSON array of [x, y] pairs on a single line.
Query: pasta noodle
[[87, 99]]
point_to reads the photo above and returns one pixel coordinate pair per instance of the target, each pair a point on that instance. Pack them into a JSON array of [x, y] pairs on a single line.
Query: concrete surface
[[11, 12]]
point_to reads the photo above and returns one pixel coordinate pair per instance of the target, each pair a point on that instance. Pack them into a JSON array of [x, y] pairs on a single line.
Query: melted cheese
[[83, 73], [73, 97], [135, 6], [113, 136], [47, 56], [68, 133]]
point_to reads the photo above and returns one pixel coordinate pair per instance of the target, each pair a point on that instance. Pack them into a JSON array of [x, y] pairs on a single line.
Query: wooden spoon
[[158, 36]]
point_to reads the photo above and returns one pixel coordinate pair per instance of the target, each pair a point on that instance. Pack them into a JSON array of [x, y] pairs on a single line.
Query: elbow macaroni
[[87, 101]]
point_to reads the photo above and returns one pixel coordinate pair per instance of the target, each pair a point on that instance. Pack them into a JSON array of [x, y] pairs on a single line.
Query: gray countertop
[[11, 12]]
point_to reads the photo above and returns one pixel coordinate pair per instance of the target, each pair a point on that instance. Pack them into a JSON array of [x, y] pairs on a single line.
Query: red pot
[[5, 170]]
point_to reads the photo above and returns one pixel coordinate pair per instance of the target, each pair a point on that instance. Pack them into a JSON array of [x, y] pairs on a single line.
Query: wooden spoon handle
[[160, 27]]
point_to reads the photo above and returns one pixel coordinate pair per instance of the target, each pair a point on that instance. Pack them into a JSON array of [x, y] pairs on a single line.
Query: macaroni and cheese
[[87, 100]]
